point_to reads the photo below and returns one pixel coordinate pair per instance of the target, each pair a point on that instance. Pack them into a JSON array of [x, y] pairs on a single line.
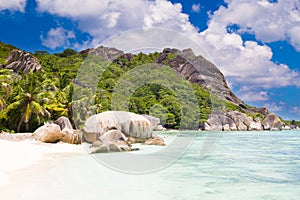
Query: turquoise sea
[[242, 165]]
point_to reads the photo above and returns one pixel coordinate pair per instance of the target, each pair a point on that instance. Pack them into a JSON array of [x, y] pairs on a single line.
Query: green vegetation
[[4, 51], [292, 123], [76, 86]]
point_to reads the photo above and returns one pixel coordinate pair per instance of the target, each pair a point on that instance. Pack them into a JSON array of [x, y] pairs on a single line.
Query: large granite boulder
[[241, 121], [112, 136], [272, 122], [255, 125], [64, 123], [49, 133], [69, 135], [130, 124], [155, 122], [21, 61]]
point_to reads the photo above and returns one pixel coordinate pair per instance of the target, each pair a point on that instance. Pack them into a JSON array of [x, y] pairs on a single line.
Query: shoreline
[[18, 155]]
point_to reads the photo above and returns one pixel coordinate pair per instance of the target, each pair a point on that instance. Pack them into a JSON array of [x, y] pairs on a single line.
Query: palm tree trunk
[[20, 123], [27, 126]]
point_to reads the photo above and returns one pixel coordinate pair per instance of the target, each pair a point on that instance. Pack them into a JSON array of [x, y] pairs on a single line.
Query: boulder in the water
[[155, 141]]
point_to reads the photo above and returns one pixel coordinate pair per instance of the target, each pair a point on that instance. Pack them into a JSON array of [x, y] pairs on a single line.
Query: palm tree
[[27, 103]]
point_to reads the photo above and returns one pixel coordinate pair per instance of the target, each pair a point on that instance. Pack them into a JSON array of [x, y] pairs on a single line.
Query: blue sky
[[255, 43]]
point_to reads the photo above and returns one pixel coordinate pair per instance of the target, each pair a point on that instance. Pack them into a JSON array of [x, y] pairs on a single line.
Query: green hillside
[[27, 100]]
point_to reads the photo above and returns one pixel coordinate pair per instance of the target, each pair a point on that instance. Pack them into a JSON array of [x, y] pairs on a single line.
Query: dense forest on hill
[[28, 100]]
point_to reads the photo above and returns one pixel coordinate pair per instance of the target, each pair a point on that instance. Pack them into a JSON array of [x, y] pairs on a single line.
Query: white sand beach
[[33, 170], [22, 154]]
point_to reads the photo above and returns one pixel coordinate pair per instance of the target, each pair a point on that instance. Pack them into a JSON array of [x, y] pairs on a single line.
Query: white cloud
[[268, 21], [196, 8], [247, 62], [295, 109], [242, 62], [253, 95], [273, 107], [104, 18], [13, 5], [58, 37], [295, 37]]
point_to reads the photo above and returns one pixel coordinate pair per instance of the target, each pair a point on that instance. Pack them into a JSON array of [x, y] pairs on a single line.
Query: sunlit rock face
[[21, 61], [130, 124]]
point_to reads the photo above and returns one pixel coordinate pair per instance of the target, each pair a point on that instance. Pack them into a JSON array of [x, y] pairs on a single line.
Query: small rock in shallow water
[[155, 141]]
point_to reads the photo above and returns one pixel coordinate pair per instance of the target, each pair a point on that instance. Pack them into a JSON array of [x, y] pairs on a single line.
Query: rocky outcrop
[[21, 61], [68, 134], [272, 122], [49, 133], [59, 131], [130, 124], [237, 121], [230, 121], [198, 70], [114, 131], [106, 53], [71, 136]]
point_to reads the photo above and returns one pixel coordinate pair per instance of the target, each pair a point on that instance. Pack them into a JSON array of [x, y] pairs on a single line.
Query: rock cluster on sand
[[237, 121], [60, 130], [114, 131]]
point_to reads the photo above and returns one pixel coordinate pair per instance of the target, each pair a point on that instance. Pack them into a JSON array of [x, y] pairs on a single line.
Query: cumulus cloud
[[104, 18], [242, 62], [273, 107], [295, 109], [57, 37], [13, 5], [253, 94], [248, 62], [269, 22], [196, 8]]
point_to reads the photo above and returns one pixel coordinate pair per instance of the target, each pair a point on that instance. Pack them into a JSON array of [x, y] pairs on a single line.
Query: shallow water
[[242, 165]]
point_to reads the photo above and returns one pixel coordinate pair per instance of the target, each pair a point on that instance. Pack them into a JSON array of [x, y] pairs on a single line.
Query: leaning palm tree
[[27, 103]]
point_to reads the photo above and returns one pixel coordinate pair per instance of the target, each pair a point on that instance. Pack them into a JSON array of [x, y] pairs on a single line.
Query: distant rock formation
[[272, 122], [107, 53], [237, 121], [21, 61], [198, 70]]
